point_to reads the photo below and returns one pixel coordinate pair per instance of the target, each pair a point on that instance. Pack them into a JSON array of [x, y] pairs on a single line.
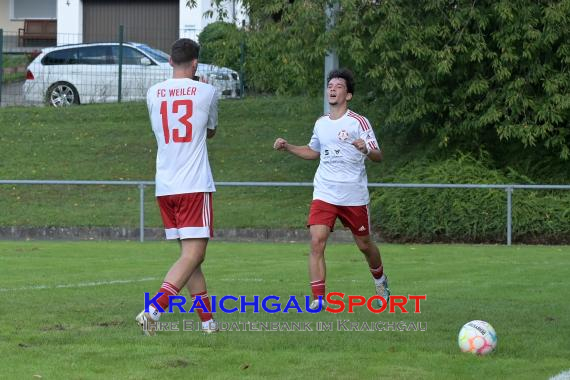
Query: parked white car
[[89, 73]]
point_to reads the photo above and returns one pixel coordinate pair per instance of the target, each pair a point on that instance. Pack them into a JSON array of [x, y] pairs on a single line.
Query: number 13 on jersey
[[177, 106]]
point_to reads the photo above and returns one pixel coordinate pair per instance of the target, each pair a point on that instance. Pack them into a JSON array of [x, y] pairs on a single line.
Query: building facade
[[155, 22]]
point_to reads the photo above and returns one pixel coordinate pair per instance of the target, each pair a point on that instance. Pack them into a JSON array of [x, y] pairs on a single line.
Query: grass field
[[115, 142], [68, 313], [13, 61]]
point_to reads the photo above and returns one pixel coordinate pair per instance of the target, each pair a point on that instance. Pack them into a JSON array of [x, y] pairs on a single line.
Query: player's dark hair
[[184, 50], [345, 74]]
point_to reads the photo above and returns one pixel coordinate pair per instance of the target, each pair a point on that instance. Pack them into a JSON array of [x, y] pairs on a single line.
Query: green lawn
[[12, 61], [115, 142], [68, 313]]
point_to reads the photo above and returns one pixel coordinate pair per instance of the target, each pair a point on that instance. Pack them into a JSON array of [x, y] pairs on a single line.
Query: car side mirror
[[145, 61]]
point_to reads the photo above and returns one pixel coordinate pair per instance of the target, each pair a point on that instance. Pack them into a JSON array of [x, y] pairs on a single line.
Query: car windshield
[[158, 55]]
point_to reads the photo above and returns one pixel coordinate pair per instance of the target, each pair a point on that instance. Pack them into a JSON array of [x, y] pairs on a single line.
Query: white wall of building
[[192, 21], [69, 22], [235, 12], [8, 25]]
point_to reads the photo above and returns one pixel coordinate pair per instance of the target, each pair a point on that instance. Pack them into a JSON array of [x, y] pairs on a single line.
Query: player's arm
[[367, 143], [374, 154], [212, 123], [302, 151]]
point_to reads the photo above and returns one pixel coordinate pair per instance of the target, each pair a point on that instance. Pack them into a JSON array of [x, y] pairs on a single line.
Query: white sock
[[378, 281], [208, 324], [154, 313]]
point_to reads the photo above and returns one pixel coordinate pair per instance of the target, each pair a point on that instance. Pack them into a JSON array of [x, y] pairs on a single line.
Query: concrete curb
[[157, 234]]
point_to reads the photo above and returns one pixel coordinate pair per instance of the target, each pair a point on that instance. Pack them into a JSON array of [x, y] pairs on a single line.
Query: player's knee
[[317, 253], [365, 244], [317, 245], [196, 257]]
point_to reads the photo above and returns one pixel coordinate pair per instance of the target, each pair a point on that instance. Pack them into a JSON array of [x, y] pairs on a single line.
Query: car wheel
[[62, 94]]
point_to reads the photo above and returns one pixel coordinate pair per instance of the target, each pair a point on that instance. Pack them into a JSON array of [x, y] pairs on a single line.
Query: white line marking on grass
[[115, 282], [79, 285], [271, 280], [562, 376]]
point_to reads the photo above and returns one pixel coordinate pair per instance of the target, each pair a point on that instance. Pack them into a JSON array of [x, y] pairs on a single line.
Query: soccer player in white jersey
[[343, 140], [183, 113]]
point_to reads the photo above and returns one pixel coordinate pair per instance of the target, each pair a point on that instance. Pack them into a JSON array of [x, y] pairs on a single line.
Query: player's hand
[[280, 144], [360, 145]]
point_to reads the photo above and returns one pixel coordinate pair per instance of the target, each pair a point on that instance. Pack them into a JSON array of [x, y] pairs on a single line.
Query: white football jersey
[[341, 177], [180, 111]]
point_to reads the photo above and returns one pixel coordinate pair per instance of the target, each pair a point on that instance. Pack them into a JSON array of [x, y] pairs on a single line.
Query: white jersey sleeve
[[213, 113], [314, 143], [366, 133]]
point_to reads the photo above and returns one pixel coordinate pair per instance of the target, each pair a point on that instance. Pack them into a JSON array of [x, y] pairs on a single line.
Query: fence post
[[242, 63], [331, 55], [1, 62], [509, 214], [119, 93], [141, 219]]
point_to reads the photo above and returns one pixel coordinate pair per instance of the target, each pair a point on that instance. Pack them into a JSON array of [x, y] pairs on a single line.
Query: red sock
[[169, 290], [318, 288], [204, 316], [378, 272]]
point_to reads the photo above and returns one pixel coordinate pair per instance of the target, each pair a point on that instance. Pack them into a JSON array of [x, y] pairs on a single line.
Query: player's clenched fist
[[280, 144], [360, 145]]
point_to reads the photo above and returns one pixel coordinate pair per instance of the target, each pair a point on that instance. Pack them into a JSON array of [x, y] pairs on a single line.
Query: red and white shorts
[[187, 216], [356, 218]]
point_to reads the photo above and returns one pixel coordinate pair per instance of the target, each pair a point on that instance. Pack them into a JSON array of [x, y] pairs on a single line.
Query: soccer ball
[[477, 337]]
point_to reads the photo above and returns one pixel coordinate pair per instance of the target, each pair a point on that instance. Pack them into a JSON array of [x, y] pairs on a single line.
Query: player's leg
[[322, 217], [317, 265], [192, 253], [196, 286], [192, 217], [372, 254], [357, 218], [188, 218]]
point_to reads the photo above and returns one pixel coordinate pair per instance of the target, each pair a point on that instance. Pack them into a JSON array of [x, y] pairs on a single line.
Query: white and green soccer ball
[[477, 337]]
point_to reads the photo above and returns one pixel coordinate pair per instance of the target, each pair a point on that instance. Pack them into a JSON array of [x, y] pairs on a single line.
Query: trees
[[220, 44], [461, 70]]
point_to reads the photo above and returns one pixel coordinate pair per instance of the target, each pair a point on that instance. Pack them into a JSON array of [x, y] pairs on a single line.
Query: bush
[[541, 216], [220, 44], [467, 215]]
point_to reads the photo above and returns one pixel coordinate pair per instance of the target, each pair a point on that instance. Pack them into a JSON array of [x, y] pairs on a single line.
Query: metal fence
[[113, 69], [509, 189]]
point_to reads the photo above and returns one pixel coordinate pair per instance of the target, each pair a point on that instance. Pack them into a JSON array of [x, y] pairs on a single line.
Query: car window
[[95, 55], [130, 56], [61, 57], [220, 76], [158, 55]]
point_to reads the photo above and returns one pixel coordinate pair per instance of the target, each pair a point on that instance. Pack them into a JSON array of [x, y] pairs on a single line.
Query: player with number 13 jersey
[[183, 114], [181, 110]]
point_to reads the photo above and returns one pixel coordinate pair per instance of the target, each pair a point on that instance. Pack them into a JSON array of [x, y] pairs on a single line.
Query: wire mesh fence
[[64, 69], [124, 204]]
